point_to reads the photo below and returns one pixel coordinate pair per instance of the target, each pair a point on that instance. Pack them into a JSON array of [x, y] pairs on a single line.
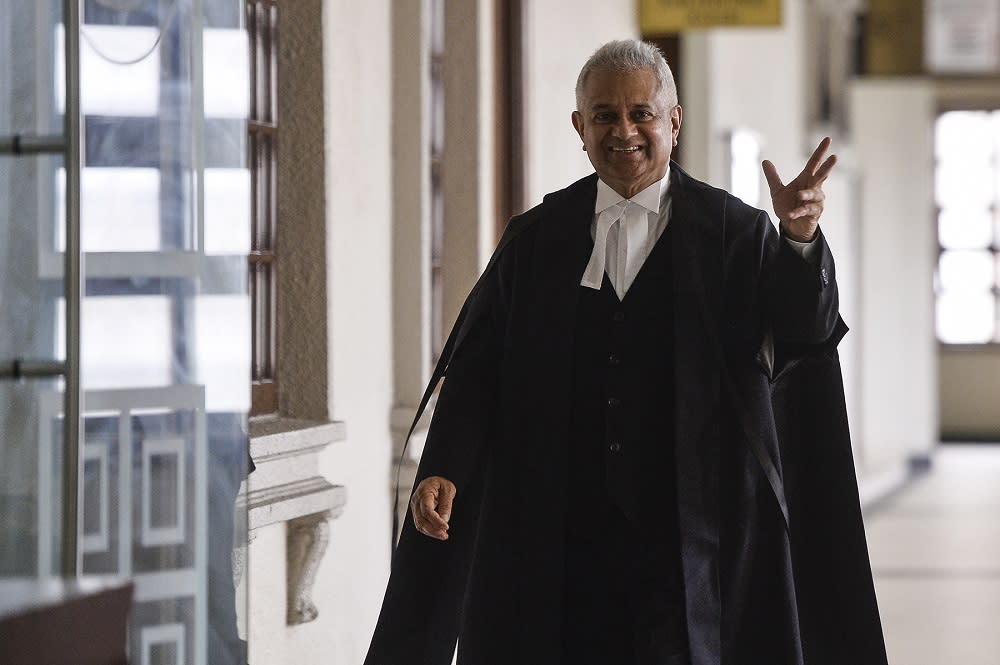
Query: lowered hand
[[431, 506]]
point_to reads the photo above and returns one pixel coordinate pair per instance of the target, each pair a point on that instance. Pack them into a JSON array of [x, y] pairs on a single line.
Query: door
[[164, 329]]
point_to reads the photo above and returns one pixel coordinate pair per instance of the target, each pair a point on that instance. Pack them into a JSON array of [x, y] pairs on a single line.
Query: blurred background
[[242, 229]]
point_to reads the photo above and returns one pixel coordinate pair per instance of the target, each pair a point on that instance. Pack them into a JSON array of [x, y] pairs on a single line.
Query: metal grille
[[262, 27]]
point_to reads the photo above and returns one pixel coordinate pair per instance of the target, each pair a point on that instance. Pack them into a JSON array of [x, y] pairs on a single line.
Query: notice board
[[666, 16]]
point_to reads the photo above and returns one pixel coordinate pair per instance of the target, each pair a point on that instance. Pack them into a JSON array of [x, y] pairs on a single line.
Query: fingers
[[817, 156], [823, 172], [431, 506], [810, 210], [771, 173], [814, 194], [445, 500]]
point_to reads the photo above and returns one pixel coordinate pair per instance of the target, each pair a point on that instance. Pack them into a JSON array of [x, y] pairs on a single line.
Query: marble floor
[[935, 552]]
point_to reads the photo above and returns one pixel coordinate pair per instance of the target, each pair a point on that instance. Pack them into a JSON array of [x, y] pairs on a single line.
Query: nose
[[624, 128]]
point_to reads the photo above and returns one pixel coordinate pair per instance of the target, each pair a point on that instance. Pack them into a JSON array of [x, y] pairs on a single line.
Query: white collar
[[651, 198]]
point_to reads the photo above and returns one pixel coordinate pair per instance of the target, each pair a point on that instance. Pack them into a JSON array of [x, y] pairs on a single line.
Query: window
[[967, 193], [262, 26], [436, 159]]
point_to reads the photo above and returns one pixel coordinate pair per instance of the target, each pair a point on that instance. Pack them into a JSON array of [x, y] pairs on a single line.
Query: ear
[[577, 119], [676, 116]]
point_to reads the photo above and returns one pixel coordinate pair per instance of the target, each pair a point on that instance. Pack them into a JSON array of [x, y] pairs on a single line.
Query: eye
[[604, 116], [642, 115]]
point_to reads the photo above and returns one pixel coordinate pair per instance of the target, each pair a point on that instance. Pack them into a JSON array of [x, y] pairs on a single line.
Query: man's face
[[627, 128]]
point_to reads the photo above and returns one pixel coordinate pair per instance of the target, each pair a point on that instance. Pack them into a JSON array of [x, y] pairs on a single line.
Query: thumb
[[445, 500], [771, 174]]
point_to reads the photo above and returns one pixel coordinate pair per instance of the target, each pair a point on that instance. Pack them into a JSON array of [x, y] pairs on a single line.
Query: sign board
[[962, 36], [894, 38], [657, 17]]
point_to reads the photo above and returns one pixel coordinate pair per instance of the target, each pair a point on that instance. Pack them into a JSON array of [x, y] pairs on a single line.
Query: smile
[[633, 148]]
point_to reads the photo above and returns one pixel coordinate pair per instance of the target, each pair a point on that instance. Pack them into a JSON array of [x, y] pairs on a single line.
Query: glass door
[[164, 327]]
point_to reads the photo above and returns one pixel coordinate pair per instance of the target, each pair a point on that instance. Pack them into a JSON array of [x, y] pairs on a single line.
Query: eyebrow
[[602, 106]]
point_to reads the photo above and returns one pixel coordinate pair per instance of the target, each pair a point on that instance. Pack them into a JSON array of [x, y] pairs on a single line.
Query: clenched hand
[[431, 506]]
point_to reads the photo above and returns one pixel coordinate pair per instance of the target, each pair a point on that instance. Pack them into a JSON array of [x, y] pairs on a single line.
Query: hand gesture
[[431, 506], [800, 203]]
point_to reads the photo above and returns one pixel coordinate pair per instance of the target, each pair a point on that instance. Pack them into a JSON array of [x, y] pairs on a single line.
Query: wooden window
[[436, 159], [967, 197], [510, 126], [262, 26]]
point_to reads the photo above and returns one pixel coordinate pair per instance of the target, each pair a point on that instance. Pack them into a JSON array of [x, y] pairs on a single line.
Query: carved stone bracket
[[307, 539], [287, 487]]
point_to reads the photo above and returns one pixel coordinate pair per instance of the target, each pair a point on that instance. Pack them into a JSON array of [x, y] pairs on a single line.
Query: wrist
[[806, 237]]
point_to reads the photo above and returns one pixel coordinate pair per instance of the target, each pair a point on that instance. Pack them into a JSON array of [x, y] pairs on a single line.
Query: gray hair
[[629, 55]]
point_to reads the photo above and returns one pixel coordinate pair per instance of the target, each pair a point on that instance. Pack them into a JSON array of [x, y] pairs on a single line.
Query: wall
[[751, 78], [349, 585], [358, 63], [891, 121], [969, 380], [559, 37]]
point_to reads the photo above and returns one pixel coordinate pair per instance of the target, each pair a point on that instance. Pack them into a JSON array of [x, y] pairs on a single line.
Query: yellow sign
[[666, 16]]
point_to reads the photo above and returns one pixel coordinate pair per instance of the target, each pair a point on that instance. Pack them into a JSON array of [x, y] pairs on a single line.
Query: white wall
[[745, 77], [358, 91], [559, 37], [350, 583], [891, 121]]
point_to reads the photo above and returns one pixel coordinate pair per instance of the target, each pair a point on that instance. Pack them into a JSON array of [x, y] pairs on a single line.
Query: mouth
[[628, 149]]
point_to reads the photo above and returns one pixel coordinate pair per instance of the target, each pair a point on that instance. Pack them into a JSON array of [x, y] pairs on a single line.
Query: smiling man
[[639, 455]]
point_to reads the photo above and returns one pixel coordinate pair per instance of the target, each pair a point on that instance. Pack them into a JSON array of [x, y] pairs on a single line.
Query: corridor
[[935, 552]]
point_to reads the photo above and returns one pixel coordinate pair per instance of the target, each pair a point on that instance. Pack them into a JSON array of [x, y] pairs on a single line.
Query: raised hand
[[431, 506], [799, 204]]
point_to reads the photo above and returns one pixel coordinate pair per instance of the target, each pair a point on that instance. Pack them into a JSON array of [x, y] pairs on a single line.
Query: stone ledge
[[282, 503], [272, 438]]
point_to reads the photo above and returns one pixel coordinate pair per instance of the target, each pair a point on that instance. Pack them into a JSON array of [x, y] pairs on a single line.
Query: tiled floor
[[935, 551]]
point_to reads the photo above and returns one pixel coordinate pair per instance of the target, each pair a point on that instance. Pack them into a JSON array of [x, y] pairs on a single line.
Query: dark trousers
[[624, 598]]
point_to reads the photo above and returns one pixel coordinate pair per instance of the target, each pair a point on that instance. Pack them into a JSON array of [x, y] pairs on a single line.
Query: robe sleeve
[[800, 297], [465, 414]]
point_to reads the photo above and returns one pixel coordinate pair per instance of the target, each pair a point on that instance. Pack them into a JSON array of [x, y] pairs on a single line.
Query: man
[[606, 478]]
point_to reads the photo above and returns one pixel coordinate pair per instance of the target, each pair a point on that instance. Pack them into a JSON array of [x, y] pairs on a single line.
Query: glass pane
[[966, 318], [961, 136], [227, 211], [30, 427], [226, 52], [30, 478], [223, 361], [964, 184], [967, 271], [968, 228], [995, 121], [120, 65], [119, 208]]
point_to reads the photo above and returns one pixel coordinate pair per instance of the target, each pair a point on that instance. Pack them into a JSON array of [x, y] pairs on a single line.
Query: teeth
[[629, 149]]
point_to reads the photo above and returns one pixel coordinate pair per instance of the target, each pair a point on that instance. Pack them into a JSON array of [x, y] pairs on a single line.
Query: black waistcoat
[[624, 593]]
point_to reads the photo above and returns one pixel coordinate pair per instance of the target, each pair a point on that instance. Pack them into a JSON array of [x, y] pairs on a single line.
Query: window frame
[[262, 151], [994, 247]]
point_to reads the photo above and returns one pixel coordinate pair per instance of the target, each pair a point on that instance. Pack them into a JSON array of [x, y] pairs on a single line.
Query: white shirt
[[626, 230]]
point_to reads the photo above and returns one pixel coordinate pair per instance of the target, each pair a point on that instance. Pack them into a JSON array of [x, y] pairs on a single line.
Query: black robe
[[773, 550]]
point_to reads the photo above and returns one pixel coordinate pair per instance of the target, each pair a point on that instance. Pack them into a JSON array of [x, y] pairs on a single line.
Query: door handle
[[27, 368]]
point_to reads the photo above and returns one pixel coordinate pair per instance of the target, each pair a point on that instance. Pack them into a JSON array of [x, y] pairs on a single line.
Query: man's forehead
[[599, 104], [611, 87]]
